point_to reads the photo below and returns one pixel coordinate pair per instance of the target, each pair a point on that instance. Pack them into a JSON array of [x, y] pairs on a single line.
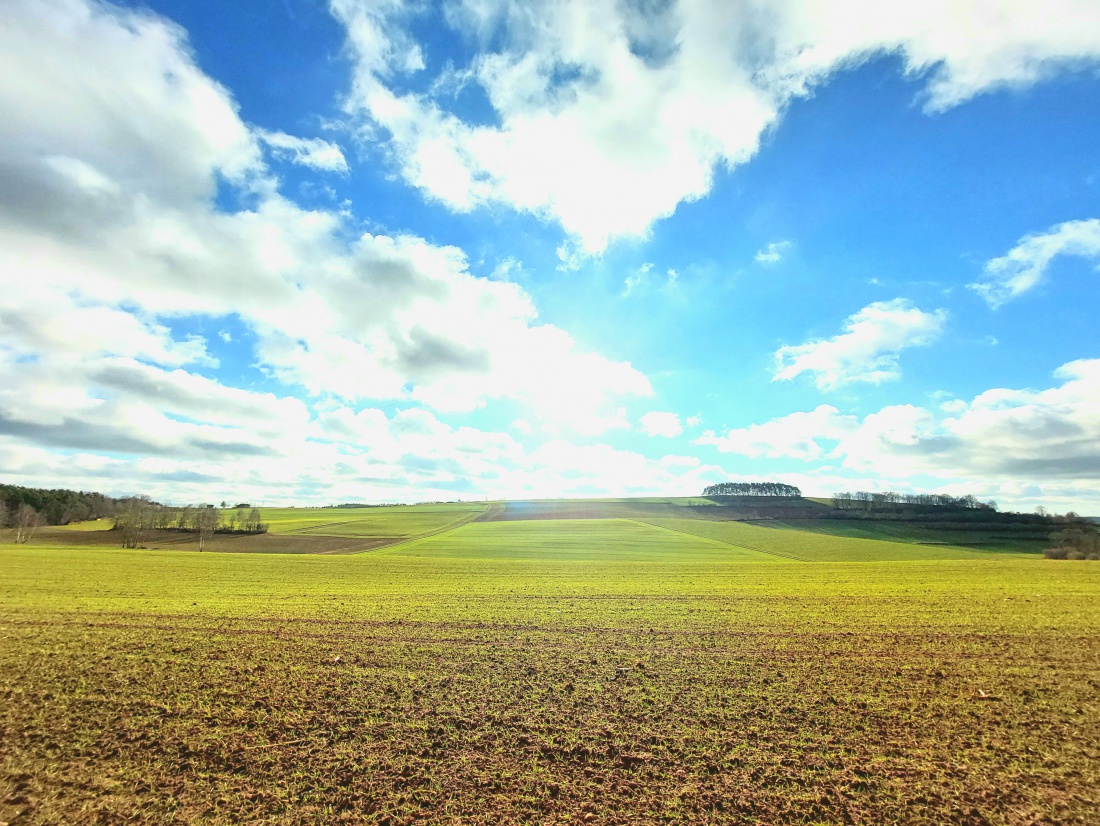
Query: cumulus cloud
[[693, 84], [867, 350], [134, 427], [1051, 434], [123, 425], [315, 153], [661, 424], [1025, 265], [794, 436], [105, 99], [1001, 441], [118, 229]]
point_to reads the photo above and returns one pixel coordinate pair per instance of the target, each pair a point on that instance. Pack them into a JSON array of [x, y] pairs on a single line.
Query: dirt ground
[[146, 719]]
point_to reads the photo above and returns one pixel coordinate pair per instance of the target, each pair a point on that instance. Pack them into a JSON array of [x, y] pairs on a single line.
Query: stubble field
[[567, 670]]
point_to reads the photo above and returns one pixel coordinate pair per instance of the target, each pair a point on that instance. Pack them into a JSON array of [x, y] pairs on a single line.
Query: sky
[[308, 252]]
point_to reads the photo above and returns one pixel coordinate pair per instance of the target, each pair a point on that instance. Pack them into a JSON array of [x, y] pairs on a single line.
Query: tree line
[[27, 509], [57, 506], [870, 500], [139, 516], [751, 489]]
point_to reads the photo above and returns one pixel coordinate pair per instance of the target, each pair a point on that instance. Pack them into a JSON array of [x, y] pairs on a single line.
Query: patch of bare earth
[[146, 719], [266, 543]]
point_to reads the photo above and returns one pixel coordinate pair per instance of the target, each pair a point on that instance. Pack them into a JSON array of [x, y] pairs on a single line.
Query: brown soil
[[143, 719], [265, 543]]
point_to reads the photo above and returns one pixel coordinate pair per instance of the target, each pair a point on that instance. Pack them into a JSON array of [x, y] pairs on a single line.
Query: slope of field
[[576, 539], [739, 521], [173, 540], [1002, 538], [687, 507], [92, 525], [811, 547], [404, 687], [291, 530], [394, 521]]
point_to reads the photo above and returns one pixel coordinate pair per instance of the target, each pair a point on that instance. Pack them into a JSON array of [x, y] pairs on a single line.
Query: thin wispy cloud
[[772, 253], [318, 154], [1025, 266]]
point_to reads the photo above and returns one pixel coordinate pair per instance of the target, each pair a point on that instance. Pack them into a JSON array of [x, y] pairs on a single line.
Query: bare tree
[[206, 522], [254, 523], [134, 520], [27, 521]]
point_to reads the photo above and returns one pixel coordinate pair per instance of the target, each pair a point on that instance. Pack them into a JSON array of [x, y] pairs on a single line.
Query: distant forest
[[58, 507], [872, 500], [25, 509], [751, 489]]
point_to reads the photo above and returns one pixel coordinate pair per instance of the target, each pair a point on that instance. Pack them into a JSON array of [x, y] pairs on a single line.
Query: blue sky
[[371, 251]]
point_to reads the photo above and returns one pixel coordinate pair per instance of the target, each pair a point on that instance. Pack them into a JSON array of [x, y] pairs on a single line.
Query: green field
[[576, 540], [551, 670], [811, 547], [401, 522]]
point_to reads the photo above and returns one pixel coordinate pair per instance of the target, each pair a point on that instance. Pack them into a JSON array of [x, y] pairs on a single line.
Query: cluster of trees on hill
[[751, 489], [1078, 542], [870, 500], [141, 515]]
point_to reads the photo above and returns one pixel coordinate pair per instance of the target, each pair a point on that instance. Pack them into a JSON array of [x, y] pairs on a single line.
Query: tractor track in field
[[464, 519], [791, 557]]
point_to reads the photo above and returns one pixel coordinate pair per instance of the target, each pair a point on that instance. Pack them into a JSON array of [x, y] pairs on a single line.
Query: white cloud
[[1026, 264], [693, 84], [315, 153], [661, 424], [1015, 445], [795, 436], [118, 231], [1051, 434], [186, 438], [110, 99], [49, 319], [867, 350], [772, 253], [674, 461]]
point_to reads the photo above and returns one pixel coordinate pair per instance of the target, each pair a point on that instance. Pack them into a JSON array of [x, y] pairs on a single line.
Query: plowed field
[[605, 671]]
